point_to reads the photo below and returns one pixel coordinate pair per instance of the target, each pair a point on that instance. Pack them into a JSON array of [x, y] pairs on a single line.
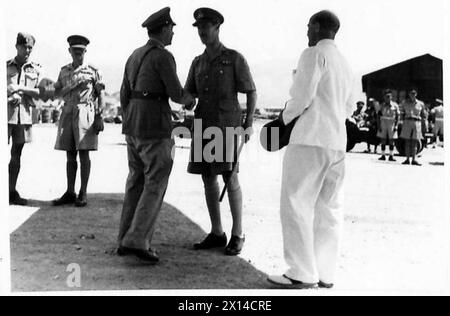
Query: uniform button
[[206, 77], [206, 89], [221, 72]]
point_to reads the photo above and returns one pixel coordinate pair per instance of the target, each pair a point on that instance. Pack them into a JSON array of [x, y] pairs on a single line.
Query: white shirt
[[324, 94]]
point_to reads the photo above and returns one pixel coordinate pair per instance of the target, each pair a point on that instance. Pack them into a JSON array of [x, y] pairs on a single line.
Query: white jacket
[[324, 93]]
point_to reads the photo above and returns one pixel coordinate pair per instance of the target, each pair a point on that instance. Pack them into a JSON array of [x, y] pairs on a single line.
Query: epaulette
[[93, 67], [66, 67]]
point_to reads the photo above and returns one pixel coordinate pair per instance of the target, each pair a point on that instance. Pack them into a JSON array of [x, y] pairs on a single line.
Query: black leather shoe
[[212, 241], [324, 285], [81, 200], [391, 158], [149, 256], [406, 162], [416, 163], [67, 198], [235, 246], [382, 158], [15, 199]]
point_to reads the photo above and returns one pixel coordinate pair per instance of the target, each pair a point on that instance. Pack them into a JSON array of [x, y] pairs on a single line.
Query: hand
[[248, 131], [280, 118], [15, 99], [13, 88], [190, 106]]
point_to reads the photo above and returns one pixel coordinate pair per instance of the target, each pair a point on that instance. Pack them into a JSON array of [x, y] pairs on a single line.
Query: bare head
[[322, 25]]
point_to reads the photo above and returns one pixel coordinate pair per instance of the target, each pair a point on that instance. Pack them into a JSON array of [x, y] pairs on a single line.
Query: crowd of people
[[410, 120], [322, 97]]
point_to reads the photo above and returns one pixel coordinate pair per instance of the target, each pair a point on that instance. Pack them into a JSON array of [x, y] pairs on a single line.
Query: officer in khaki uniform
[[438, 119], [412, 114], [23, 79], [387, 125], [150, 79], [216, 77], [81, 87]]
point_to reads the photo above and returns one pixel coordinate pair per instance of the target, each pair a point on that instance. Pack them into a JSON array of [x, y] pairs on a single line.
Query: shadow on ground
[[53, 238]]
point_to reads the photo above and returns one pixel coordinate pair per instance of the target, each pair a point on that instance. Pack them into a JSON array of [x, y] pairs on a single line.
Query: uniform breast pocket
[[225, 75], [31, 79]]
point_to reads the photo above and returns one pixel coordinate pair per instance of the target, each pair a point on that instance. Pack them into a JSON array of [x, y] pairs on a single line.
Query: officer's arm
[[251, 107], [305, 85], [125, 93], [31, 92], [101, 101], [167, 70]]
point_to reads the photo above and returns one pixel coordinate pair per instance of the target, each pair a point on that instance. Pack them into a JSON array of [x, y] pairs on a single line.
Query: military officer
[[149, 81], [215, 78], [81, 87], [438, 118], [23, 79], [412, 114], [387, 125]]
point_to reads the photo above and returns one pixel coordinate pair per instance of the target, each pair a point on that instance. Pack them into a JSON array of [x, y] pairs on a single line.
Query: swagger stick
[[232, 171]]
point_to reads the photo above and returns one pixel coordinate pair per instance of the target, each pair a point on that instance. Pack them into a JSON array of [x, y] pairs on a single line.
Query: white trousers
[[311, 214]]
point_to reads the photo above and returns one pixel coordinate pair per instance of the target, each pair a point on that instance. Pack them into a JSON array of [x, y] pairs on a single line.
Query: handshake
[[188, 102]]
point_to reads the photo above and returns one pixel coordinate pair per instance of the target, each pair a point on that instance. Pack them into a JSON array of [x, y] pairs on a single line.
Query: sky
[[271, 34]]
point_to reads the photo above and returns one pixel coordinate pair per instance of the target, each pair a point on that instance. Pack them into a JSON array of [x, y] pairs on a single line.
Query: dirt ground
[[394, 239]]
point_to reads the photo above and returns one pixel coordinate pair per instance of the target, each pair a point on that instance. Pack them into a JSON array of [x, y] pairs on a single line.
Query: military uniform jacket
[[216, 83], [389, 112], [75, 130], [84, 73], [150, 69], [28, 75]]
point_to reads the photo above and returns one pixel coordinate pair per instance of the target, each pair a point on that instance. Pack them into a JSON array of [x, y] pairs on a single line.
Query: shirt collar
[[326, 42], [155, 42], [16, 63], [222, 49]]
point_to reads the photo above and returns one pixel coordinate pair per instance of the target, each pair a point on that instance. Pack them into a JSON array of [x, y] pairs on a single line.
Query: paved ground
[[394, 236]]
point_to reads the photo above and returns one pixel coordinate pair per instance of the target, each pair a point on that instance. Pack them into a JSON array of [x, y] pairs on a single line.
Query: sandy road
[[394, 236]]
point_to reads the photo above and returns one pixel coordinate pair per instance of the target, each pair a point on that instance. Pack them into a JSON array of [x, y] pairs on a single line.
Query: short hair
[[387, 91], [327, 20], [155, 31]]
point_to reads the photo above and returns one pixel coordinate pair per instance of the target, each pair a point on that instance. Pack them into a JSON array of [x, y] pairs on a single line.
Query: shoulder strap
[[133, 84]]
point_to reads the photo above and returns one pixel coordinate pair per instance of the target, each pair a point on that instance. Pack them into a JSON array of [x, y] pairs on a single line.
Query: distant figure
[[438, 120], [370, 121], [387, 125], [412, 115], [22, 78], [358, 115], [323, 97], [81, 87]]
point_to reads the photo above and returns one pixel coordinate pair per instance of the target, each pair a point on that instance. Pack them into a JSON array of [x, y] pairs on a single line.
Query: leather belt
[[413, 119], [144, 95]]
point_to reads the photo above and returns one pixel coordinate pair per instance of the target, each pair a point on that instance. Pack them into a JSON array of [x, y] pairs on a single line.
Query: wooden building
[[424, 73]]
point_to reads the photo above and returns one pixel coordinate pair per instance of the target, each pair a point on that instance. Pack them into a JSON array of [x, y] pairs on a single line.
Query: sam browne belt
[[145, 95]]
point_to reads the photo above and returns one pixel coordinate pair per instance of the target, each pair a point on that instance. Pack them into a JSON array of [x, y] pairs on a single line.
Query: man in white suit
[[323, 95]]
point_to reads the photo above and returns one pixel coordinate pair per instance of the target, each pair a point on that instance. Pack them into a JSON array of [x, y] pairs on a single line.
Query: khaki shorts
[[20, 134]]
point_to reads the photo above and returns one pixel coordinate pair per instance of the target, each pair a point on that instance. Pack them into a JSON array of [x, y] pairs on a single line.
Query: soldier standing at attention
[[412, 114], [149, 81], [215, 78], [81, 87], [438, 118], [387, 125], [23, 78]]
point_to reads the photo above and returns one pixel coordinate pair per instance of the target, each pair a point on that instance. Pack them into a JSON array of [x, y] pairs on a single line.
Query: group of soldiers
[[150, 79], [80, 86], [383, 120], [322, 97]]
